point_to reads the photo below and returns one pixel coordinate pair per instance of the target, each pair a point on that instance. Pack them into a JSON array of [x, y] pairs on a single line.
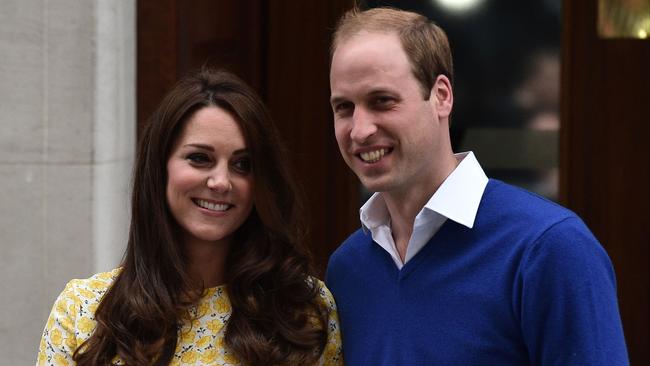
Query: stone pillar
[[67, 141]]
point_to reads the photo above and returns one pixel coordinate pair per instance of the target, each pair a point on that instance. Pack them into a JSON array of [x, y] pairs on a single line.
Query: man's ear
[[443, 96]]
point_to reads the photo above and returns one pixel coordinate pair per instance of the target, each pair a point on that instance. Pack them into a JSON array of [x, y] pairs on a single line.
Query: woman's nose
[[219, 180]]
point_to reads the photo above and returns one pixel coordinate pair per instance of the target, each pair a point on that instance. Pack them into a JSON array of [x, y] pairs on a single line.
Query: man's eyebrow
[[379, 91], [336, 99]]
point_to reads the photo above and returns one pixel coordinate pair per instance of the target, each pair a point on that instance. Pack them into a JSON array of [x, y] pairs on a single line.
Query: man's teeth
[[373, 156], [212, 206]]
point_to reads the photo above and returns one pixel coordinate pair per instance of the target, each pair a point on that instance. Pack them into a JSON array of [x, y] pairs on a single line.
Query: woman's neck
[[207, 261]]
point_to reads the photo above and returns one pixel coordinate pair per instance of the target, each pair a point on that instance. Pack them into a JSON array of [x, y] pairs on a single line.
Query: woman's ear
[[442, 96]]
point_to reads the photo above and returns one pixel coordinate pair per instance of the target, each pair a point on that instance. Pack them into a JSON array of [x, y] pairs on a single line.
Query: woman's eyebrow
[[200, 146], [211, 148]]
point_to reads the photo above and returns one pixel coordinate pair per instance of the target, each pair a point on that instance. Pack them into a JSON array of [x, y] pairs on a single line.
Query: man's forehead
[[377, 52], [368, 40], [369, 65]]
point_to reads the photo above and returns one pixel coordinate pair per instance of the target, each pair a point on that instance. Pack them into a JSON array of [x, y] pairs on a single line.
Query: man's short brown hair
[[425, 44]]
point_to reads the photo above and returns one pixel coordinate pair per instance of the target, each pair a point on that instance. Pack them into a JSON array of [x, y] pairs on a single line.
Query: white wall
[[67, 140]]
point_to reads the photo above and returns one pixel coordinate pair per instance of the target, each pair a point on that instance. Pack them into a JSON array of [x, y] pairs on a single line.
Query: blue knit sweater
[[527, 285]]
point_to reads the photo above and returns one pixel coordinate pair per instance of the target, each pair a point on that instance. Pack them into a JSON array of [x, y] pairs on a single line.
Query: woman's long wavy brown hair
[[276, 317]]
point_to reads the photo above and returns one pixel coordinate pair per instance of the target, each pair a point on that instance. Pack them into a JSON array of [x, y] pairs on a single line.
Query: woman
[[215, 270]]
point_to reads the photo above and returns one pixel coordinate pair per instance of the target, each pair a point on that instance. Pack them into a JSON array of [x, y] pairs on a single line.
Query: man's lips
[[373, 154]]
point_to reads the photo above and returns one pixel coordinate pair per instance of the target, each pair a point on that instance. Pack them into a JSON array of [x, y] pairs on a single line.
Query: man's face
[[388, 134]]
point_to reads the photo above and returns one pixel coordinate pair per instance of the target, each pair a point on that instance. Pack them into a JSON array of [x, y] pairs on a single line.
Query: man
[[450, 267]]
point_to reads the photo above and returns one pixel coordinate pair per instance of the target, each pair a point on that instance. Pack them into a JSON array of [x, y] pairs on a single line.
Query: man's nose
[[363, 125]]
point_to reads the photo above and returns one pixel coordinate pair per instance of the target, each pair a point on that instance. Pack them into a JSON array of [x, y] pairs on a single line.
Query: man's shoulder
[[545, 223], [353, 246], [506, 199], [349, 255]]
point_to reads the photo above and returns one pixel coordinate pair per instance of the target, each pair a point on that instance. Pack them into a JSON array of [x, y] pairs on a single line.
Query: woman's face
[[210, 183]]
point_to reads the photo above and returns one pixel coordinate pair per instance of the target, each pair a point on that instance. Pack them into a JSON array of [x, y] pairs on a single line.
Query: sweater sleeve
[[567, 304]]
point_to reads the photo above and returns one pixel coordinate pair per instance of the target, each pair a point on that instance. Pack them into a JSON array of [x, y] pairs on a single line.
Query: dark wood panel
[[298, 95], [176, 36], [224, 33], [605, 156], [157, 46]]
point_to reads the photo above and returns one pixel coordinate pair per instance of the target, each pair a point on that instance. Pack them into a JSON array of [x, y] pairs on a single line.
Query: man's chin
[[375, 184]]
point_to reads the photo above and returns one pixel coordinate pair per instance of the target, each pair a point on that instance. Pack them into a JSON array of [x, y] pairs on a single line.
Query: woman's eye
[[242, 165], [198, 159]]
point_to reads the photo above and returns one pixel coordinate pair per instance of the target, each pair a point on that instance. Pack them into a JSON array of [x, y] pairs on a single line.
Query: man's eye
[[383, 101], [343, 108], [198, 159], [242, 165]]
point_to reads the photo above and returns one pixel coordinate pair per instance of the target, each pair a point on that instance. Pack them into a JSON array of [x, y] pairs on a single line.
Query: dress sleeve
[[567, 304], [333, 353], [58, 342]]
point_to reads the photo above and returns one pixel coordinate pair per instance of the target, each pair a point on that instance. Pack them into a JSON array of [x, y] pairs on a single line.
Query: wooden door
[[605, 156]]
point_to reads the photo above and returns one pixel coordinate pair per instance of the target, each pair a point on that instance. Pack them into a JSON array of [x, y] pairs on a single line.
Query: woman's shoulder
[[325, 296], [72, 319], [333, 353], [93, 287]]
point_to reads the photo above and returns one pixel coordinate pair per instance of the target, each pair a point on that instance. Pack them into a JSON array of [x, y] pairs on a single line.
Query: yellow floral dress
[[201, 343]]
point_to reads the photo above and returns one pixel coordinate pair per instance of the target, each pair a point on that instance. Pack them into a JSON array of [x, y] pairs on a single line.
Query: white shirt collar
[[457, 199], [459, 196]]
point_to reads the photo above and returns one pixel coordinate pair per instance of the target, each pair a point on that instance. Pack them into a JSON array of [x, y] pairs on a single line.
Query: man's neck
[[404, 206], [402, 210]]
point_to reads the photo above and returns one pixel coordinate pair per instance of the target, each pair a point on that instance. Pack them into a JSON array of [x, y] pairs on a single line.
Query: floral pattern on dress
[[200, 342]]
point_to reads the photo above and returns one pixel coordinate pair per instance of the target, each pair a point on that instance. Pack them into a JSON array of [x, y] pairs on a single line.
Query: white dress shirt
[[457, 199]]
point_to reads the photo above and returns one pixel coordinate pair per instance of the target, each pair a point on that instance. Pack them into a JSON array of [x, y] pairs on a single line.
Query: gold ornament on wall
[[624, 19]]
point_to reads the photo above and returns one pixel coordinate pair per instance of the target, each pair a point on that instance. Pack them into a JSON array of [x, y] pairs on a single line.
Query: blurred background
[[551, 95]]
